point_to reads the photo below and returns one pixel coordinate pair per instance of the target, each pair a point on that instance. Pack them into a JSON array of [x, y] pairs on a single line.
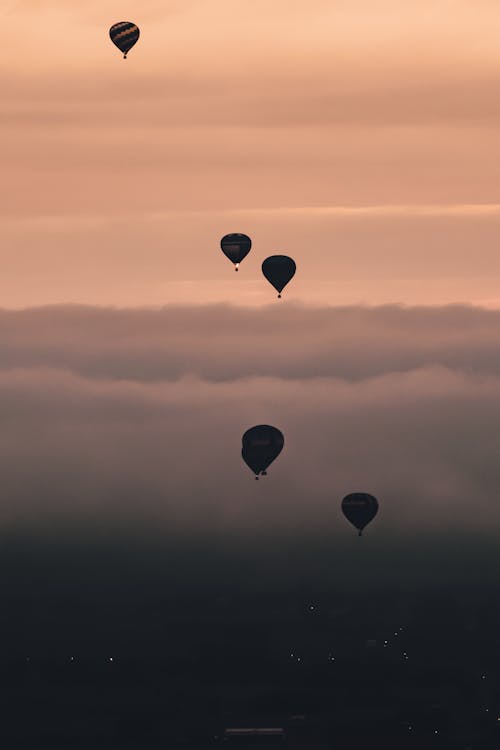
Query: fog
[[135, 417]]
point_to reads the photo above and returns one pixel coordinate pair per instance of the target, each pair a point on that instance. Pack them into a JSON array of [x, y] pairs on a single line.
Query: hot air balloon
[[278, 270], [260, 446], [359, 508], [124, 34], [236, 247]]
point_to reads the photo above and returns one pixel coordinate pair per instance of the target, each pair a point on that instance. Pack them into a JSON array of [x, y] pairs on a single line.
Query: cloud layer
[[223, 343], [139, 414], [121, 437]]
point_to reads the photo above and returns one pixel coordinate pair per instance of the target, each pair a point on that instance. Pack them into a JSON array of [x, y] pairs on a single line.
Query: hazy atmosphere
[[126, 417], [359, 137]]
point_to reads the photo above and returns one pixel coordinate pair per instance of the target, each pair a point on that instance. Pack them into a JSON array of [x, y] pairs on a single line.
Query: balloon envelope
[[359, 508], [124, 35], [260, 446], [278, 270], [236, 247]]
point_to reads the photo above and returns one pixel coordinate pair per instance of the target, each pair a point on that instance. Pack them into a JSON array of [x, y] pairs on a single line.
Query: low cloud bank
[[121, 437], [113, 415], [220, 343]]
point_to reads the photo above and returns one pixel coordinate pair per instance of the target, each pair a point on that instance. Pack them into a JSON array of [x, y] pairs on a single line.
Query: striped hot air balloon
[[124, 34]]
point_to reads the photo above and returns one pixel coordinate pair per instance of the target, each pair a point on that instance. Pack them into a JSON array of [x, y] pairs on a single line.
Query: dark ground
[[333, 668]]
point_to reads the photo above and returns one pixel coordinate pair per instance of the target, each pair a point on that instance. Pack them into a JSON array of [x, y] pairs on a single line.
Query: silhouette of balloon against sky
[[124, 35], [236, 247], [359, 508], [278, 270], [260, 446]]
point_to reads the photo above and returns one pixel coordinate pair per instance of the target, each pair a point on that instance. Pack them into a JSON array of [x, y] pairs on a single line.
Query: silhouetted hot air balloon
[[236, 247], [359, 508], [260, 446], [124, 34], [278, 270]]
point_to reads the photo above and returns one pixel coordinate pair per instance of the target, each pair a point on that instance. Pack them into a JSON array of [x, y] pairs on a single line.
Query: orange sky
[[359, 137]]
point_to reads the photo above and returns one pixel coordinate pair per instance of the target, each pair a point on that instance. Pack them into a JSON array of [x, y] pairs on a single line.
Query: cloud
[[377, 97], [223, 343], [119, 414], [120, 439]]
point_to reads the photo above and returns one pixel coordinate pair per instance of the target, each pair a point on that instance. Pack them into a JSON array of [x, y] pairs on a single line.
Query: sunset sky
[[361, 137]]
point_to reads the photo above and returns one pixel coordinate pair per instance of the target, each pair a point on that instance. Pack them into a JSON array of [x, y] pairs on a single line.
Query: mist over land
[[129, 423]]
